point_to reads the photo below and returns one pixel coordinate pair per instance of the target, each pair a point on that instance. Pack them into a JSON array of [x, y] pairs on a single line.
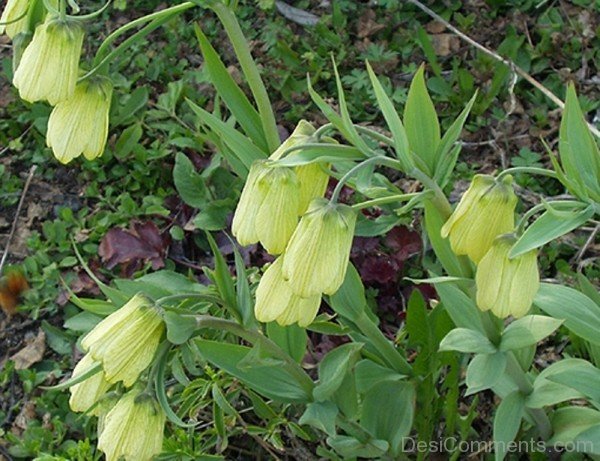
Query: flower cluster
[[48, 70], [480, 228], [118, 350], [283, 208]]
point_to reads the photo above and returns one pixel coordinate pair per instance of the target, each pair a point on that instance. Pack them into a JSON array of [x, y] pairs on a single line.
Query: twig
[[507, 62], [587, 244], [13, 229]]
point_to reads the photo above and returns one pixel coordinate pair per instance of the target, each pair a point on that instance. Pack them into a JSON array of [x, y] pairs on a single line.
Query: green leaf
[[223, 279], [462, 310], [569, 422], [546, 392], [273, 382], [351, 448], [57, 338], [527, 331], [82, 322], [213, 216], [322, 153], [189, 184], [136, 100], [292, 339], [350, 301], [418, 326], [588, 288], [589, 440], [128, 140], [468, 341], [333, 369], [95, 306], [368, 373], [548, 227], [180, 328], [321, 415], [393, 121], [484, 371], [446, 156], [441, 246], [507, 422], [581, 315], [581, 376], [388, 412], [241, 147], [578, 150], [235, 99], [421, 122]]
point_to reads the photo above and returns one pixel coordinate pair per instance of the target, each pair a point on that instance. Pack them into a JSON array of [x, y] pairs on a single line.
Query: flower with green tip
[[275, 300], [507, 286], [49, 67], [485, 211], [133, 429], [85, 394], [125, 342], [316, 259], [79, 125]]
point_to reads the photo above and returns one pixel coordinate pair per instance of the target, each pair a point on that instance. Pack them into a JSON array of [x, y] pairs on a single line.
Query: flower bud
[[79, 125], [125, 342], [49, 66], [14, 10], [133, 429], [275, 300], [485, 211], [316, 259], [85, 394], [277, 215], [507, 286]]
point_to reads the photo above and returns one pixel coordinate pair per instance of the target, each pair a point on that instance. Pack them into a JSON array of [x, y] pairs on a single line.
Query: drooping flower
[[15, 17], [49, 67], [277, 215], [485, 211], [125, 342], [313, 184], [243, 226], [85, 394], [275, 300], [79, 125], [316, 258], [507, 286], [133, 429]]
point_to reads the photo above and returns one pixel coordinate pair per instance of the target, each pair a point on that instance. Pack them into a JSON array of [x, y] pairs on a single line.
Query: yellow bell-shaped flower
[[125, 342], [85, 394], [507, 286], [14, 10], [243, 226], [275, 300], [49, 67], [133, 429], [79, 125], [277, 215], [485, 211], [313, 184], [301, 134], [316, 259]]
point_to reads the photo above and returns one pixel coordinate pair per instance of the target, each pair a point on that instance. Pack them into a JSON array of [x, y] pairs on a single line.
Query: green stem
[[254, 336], [338, 188], [250, 70], [199, 296], [528, 169], [320, 145], [387, 350], [520, 378], [323, 129], [375, 135], [103, 49], [384, 200]]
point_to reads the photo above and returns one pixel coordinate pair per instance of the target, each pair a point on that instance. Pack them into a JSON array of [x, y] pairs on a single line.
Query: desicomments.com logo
[[453, 444]]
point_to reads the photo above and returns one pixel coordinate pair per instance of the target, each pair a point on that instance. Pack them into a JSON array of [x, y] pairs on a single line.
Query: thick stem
[[387, 350], [250, 70], [253, 336]]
